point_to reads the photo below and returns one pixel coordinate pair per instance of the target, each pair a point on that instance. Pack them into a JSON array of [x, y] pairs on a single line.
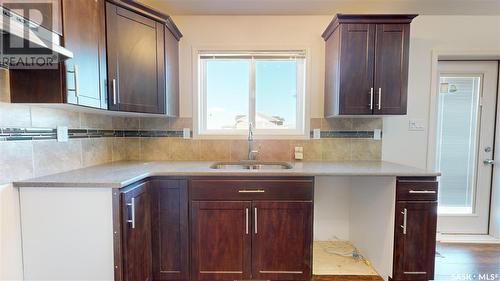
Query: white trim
[[442, 54], [303, 100]]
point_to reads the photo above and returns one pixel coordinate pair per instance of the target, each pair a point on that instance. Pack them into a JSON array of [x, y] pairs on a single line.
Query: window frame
[[201, 58]]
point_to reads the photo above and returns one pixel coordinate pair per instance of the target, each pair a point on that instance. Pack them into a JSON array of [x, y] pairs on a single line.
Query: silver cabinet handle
[[75, 79], [246, 221], [371, 98], [113, 85], [379, 98], [75, 70], [422, 192], [405, 218], [255, 219], [132, 211], [259, 190]]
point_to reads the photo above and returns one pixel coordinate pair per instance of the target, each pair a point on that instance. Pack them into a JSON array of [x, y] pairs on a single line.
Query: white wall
[[445, 33], [252, 32], [474, 33]]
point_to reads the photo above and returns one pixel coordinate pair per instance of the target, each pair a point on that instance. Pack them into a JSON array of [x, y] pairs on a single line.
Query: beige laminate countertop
[[121, 174]]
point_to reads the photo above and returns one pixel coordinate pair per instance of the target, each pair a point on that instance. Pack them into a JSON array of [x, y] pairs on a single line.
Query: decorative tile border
[[27, 134]]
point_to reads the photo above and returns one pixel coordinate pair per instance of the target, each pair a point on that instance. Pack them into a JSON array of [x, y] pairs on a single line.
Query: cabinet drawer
[[416, 190], [252, 189]]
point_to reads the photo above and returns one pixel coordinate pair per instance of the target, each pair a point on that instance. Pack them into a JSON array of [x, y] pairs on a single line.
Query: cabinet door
[[170, 229], [84, 35], [220, 240], [136, 229], [172, 74], [356, 68], [136, 62], [391, 68], [415, 247], [282, 240]]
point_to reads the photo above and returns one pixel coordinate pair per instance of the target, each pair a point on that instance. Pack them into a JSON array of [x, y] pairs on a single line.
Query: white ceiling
[[325, 7]]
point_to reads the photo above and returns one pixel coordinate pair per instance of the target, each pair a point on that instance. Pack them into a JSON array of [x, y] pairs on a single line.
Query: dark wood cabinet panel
[[170, 229], [172, 73], [391, 68], [136, 233], [366, 69], [84, 35], [282, 240], [220, 240], [136, 65], [415, 240], [415, 228], [356, 68]]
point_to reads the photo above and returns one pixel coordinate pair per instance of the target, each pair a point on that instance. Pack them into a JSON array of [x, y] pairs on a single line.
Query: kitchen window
[[265, 89]]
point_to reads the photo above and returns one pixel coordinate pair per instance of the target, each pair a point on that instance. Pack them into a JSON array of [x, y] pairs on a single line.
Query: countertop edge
[[133, 179]]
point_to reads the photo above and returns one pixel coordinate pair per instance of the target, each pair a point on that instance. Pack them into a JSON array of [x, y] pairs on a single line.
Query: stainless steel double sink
[[251, 165]]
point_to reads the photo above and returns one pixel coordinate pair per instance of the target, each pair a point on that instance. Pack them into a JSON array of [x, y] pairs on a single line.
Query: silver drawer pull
[[415, 272], [422, 192], [255, 219], [251, 191]]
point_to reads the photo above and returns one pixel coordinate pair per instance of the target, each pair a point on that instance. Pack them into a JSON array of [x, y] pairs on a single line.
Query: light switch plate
[[316, 134], [186, 133], [62, 134], [416, 125]]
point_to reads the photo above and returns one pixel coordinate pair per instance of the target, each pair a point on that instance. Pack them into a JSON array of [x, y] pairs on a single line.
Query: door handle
[[405, 220], [379, 98], [246, 221], [489, 162], [113, 86], [255, 219], [132, 212], [371, 98]]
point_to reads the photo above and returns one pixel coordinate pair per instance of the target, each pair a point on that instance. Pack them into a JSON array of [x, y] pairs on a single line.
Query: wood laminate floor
[[459, 261]]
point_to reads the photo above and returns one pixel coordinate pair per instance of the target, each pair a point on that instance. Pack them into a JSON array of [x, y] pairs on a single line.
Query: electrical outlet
[[62, 134], [186, 133], [316, 134]]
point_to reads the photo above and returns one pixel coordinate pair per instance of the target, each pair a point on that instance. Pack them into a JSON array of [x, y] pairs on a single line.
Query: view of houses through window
[[266, 89]]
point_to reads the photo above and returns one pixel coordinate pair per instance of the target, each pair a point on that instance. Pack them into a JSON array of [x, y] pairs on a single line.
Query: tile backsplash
[[28, 147]]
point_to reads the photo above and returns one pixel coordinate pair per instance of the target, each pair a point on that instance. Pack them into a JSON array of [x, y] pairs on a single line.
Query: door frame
[[446, 54]]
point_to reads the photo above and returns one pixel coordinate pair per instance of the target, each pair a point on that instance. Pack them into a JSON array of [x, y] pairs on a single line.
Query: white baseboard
[[467, 238]]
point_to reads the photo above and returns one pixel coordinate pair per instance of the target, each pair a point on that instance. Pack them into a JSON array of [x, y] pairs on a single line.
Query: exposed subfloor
[[331, 262], [459, 261]]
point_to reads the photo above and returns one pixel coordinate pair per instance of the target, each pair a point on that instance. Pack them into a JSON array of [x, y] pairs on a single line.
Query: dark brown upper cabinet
[[366, 65], [80, 80], [142, 59]]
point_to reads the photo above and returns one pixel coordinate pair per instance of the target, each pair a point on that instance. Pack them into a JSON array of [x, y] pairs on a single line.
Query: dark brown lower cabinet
[[258, 229], [282, 240], [136, 232], [169, 212], [415, 230], [221, 240]]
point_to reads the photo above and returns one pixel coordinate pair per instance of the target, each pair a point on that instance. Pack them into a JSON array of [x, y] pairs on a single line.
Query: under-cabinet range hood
[[31, 39]]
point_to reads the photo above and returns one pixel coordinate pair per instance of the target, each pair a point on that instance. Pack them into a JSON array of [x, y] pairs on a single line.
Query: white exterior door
[[464, 145]]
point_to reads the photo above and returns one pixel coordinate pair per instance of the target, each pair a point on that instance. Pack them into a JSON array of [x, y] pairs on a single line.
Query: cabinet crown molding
[[366, 18]]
